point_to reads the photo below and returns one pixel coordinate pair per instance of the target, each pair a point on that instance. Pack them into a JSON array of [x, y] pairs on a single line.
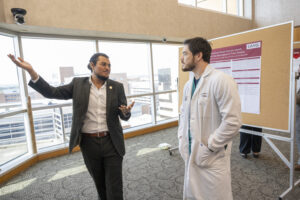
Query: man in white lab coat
[[210, 117]]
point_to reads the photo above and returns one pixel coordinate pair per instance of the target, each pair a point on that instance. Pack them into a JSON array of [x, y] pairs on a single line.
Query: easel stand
[[288, 163]]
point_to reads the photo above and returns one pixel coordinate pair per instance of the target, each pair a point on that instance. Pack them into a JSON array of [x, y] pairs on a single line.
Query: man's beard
[[101, 78], [189, 68]]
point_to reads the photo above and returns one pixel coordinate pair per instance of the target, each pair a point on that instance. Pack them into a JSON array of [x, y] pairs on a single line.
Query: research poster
[[243, 63]]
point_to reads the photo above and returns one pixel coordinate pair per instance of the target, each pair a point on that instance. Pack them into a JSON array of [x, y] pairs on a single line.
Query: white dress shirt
[[95, 118]]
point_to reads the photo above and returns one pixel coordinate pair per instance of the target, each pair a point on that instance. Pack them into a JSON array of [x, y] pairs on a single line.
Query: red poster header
[[296, 53], [247, 50]]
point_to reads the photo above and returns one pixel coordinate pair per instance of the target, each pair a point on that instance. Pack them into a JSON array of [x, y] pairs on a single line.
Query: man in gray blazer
[[98, 102]]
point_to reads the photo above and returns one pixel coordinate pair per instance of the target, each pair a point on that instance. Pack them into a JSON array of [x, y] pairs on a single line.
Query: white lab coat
[[214, 114]]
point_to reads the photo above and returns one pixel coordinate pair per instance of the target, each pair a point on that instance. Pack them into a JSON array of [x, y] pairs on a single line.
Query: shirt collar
[[91, 82]]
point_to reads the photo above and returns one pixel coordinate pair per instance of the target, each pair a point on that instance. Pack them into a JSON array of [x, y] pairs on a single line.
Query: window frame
[[27, 110], [240, 4]]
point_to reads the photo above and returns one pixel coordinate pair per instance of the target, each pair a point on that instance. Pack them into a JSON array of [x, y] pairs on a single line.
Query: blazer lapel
[[86, 93], [109, 89]]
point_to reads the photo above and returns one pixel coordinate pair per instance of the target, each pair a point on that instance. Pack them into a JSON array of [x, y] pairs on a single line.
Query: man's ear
[[199, 56], [92, 66]]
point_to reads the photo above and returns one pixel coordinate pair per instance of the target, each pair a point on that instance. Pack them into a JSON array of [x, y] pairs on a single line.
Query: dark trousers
[[104, 165], [250, 142]]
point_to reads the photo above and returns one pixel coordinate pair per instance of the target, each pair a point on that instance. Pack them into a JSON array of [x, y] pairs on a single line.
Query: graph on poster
[[243, 63]]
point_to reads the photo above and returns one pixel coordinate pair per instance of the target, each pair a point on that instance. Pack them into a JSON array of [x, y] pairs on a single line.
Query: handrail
[[60, 105], [12, 113]]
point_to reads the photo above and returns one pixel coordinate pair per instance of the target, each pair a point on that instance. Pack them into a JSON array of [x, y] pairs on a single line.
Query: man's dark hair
[[94, 59], [197, 45]]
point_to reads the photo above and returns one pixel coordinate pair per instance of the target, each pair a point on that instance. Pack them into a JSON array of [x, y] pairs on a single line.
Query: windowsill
[[53, 148], [21, 163], [137, 128], [14, 164]]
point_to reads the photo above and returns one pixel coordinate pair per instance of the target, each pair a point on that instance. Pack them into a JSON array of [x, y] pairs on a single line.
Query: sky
[[47, 55]]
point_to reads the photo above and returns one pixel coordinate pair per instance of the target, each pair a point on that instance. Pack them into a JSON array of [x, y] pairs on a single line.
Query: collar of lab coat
[[205, 74]]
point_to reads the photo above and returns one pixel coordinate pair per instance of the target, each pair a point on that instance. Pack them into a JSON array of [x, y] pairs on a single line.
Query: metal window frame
[[240, 7], [24, 88]]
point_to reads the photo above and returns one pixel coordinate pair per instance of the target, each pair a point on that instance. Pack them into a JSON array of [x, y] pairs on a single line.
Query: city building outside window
[[148, 72], [58, 61]]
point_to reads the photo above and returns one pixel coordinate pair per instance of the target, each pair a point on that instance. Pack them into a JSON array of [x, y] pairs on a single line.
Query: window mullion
[[97, 46], [31, 143], [225, 6], [153, 86]]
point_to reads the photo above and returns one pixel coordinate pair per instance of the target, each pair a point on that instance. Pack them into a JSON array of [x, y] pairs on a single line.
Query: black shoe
[[244, 155], [255, 154]]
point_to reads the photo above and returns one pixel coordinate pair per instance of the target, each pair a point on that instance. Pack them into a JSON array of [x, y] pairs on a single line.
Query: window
[[216, 5], [47, 127], [57, 61], [130, 65], [166, 106], [234, 7], [165, 64], [9, 85], [141, 113], [67, 113], [187, 2], [13, 142]]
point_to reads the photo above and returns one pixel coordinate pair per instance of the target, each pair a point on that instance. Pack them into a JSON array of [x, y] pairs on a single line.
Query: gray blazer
[[79, 91]]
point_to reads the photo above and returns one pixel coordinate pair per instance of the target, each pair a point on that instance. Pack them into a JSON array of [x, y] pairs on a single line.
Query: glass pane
[[141, 113], [68, 113], [12, 138], [216, 5], [130, 65], [187, 2], [48, 128], [9, 85], [165, 63], [57, 61], [232, 7], [167, 106]]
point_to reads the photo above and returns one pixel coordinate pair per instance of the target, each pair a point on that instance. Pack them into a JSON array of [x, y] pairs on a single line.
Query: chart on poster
[[243, 63]]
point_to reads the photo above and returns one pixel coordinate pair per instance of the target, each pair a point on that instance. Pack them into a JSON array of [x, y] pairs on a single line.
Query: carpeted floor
[[150, 174]]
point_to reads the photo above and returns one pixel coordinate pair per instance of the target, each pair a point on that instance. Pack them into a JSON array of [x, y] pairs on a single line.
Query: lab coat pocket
[[202, 100], [203, 157], [204, 106]]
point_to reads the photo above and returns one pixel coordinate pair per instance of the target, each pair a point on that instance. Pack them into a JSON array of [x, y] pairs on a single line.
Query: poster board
[[275, 74], [297, 34]]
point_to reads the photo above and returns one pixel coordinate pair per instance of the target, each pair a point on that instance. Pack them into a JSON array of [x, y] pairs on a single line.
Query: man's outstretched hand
[[20, 62], [126, 109], [24, 65]]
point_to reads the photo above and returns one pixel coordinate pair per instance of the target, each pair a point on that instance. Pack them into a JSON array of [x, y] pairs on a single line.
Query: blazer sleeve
[[122, 101], [48, 91]]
